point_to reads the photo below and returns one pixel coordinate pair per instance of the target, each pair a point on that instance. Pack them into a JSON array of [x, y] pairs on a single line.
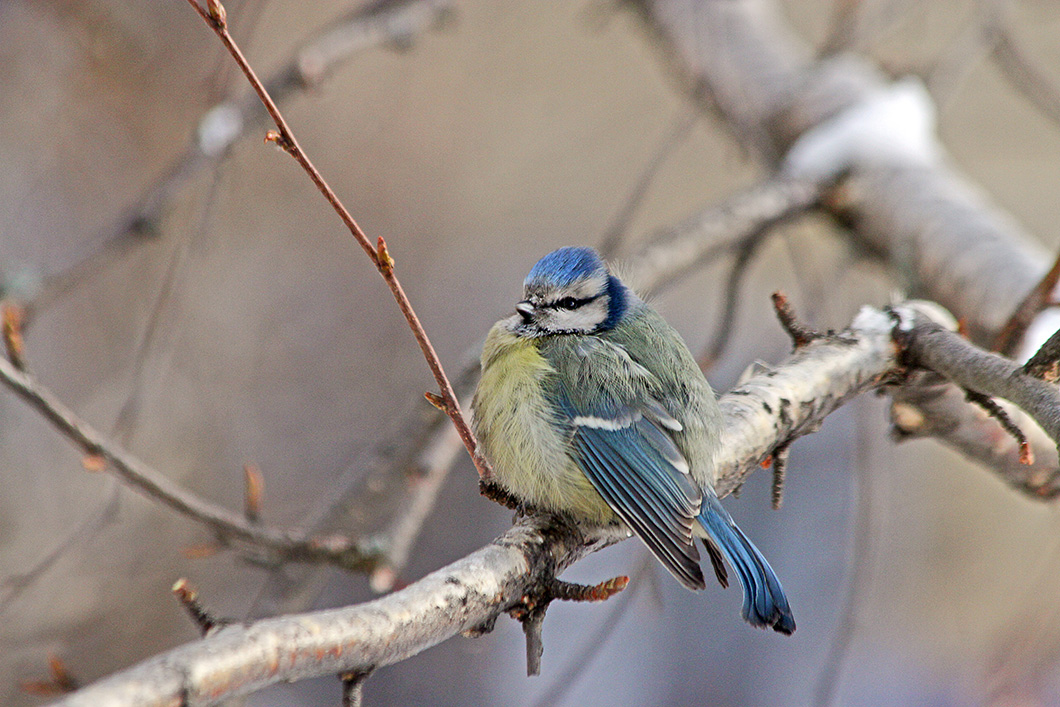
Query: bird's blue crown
[[565, 266]]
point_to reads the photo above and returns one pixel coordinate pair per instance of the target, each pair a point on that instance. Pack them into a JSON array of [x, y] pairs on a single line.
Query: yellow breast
[[519, 433]]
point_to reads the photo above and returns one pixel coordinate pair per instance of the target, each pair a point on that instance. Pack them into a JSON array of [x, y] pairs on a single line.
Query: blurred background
[[244, 325]]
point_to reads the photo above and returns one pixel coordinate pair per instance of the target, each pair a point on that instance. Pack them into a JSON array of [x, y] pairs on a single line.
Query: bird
[[590, 405]]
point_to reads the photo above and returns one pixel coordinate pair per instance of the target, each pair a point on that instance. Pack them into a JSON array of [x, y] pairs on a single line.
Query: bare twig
[[616, 230], [998, 413], [11, 331], [61, 681], [929, 345], [353, 687], [594, 642], [229, 526], [189, 599], [800, 334], [253, 492], [378, 254]]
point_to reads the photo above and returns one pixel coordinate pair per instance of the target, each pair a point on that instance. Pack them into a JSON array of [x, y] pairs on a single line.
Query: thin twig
[[282, 544], [353, 687], [722, 335], [379, 23], [1011, 335], [674, 138], [11, 325], [378, 254], [189, 599], [800, 334], [60, 682], [998, 413]]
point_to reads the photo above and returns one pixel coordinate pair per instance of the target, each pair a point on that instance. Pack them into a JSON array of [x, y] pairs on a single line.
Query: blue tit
[[591, 405]]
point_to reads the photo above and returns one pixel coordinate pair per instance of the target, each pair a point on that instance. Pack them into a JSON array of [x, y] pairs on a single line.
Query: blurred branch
[[617, 229], [279, 545], [393, 22], [733, 224], [768, 410], [920, 215]]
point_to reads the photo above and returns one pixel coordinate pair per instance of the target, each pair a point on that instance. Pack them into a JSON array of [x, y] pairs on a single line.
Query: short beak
[[525, 310]]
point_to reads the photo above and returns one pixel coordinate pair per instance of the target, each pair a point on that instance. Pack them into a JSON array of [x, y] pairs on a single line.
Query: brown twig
[[61, 681], [353, 687], [11, 325], [1011, 335], [800, 334], [188, 596], [213, 15], [253, 492]]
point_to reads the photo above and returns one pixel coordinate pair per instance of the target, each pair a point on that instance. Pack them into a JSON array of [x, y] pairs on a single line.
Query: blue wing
[[629, 457]]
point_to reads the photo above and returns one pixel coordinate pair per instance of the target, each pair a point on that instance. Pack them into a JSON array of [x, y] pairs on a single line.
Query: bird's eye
[[569, 303]]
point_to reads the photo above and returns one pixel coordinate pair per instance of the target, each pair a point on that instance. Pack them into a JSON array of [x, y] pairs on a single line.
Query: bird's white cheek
[[585, 318]]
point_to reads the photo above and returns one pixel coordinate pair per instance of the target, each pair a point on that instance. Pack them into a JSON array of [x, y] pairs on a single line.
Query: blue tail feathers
[[764, 602]]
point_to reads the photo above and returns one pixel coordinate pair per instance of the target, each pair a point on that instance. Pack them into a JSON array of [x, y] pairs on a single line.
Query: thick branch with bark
[[767, 411]]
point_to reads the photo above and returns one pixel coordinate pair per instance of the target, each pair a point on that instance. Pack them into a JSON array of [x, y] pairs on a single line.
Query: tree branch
[[229, 526], [769, 410]]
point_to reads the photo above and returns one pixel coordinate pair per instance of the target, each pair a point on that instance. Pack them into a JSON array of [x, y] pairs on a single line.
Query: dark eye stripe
[[571, 302]]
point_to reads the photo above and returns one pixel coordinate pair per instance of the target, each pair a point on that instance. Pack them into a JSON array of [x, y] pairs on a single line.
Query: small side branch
[[927, 344], [188, 596], [104, 453], [1011, 336], [998, 413], [800, 334]]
